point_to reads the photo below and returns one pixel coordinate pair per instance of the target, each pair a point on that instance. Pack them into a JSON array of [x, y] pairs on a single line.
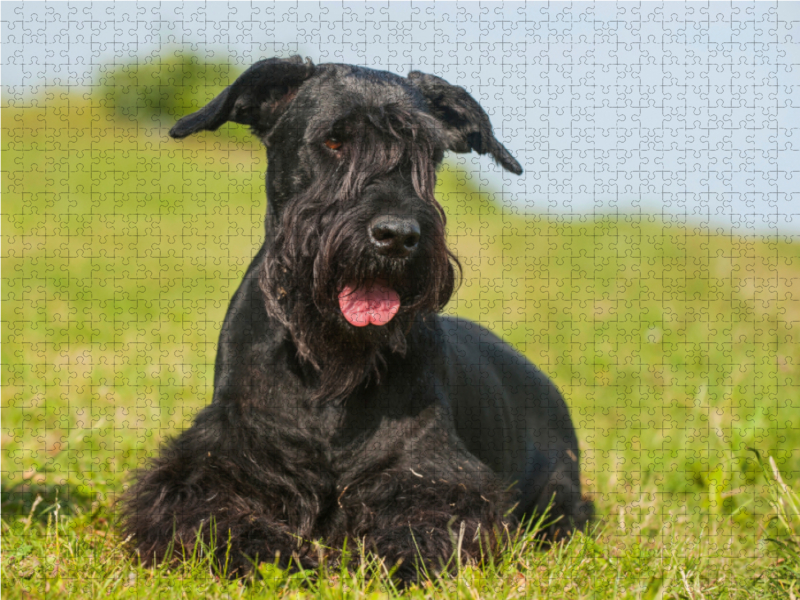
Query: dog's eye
[[333, 143]]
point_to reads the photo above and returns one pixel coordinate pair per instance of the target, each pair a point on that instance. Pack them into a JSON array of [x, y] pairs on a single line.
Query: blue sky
[[690, 110]]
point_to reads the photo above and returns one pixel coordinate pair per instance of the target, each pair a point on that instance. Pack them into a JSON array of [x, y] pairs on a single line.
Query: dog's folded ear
[[253, 99], [467, 126]]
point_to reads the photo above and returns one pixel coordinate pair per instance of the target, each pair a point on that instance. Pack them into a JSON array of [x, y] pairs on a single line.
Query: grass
[[677, 347]]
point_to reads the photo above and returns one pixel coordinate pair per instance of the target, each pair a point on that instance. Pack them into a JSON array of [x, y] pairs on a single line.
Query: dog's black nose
[[394, 236]]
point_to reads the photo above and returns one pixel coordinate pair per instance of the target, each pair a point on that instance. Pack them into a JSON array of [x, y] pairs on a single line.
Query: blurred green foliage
[[163, 88]]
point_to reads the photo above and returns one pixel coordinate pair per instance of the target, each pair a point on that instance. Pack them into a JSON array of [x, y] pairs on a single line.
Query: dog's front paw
[[420, 552]]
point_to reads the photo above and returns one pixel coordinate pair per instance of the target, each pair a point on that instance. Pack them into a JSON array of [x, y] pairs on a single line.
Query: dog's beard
[[306, 280]]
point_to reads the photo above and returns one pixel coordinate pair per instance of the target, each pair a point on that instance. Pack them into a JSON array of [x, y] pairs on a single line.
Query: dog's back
[[512, 417]]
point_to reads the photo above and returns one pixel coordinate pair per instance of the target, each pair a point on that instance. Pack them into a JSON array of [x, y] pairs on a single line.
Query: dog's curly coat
[[402, 433]]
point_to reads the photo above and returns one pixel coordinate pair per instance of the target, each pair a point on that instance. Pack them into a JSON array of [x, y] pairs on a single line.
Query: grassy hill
[[677, 349]]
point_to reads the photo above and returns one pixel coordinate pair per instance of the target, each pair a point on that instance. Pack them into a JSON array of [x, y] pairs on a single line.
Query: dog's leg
[[218, 490], [567, 509], [436, 506]]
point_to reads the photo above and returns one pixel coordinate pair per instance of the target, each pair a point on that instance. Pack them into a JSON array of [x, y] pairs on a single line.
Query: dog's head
[[356, 239]]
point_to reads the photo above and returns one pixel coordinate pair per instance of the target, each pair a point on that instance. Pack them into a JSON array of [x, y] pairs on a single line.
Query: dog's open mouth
[[374, 304]]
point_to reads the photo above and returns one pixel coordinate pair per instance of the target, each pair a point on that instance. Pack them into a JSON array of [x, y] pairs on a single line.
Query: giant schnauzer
[[344, 406]]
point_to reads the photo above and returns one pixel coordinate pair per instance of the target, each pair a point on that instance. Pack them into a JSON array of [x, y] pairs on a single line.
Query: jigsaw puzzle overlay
[[646, 260]]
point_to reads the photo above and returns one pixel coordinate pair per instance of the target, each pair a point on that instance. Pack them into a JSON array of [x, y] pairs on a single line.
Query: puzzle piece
[[646, 260]]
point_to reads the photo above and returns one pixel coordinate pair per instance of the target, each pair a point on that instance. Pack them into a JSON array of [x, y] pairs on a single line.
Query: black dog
[[343, 406]]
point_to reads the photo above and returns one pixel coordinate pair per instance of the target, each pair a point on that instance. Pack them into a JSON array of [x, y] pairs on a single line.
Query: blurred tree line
[[161, 89]]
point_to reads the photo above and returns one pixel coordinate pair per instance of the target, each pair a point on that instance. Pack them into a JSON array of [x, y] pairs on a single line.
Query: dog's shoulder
[[475, 354], [465, 336]]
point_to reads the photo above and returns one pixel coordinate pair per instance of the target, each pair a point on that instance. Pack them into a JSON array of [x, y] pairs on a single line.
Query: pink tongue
[[376, 304]]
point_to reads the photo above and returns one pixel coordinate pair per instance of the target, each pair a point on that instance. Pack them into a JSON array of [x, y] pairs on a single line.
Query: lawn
[[676, 346]]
